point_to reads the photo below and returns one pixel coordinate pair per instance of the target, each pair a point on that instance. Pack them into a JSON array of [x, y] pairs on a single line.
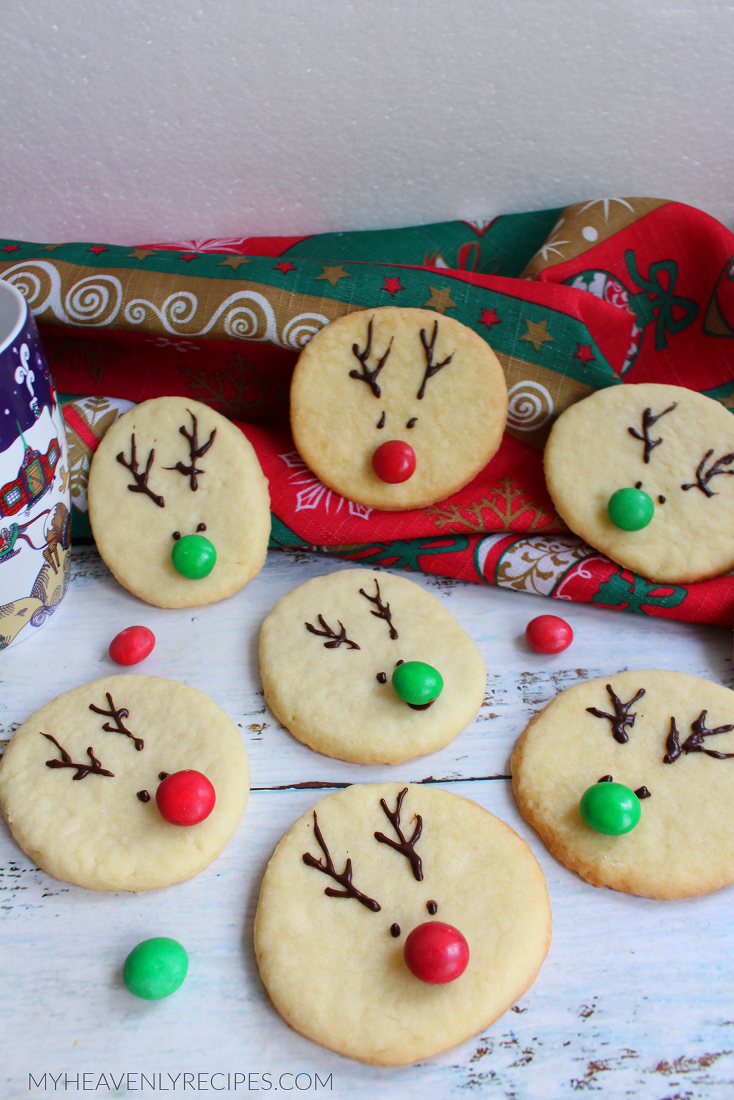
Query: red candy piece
[[394, 461], [548, 634], [132, 645], [185, 798], [436, 953]]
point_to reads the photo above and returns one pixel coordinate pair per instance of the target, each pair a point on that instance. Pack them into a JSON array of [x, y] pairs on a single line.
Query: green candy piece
[[193, 556], [610, 808], [417, 683], [630, 509], [155, 968]]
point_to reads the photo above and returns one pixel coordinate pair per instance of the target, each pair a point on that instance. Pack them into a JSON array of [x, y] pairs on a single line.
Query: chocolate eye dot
[[397, 663], [381, 421], [638, 485], [143, 796], [176, 535], [432, 907], [412, 422], [162, 775], [605, 779], [661, 500], [394, 931], [381, 678], [201, 527]]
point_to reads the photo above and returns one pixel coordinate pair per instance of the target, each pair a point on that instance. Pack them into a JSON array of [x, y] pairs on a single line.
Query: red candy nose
[[436, 953], [185, 798], [394, 461]]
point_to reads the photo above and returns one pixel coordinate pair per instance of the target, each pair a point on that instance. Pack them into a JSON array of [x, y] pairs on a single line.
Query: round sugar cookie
[[674, 445], [328, 651], [683, 844], [333, 965], [399, 376], [171, 468], [91, 817]]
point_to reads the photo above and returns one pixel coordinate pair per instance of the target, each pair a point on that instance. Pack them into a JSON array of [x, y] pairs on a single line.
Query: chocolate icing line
[[383, 609], [431, 367], [694, 743], [367, 375], [95, 768], [327, 632], [344, 879], [621, 720], [702, 479], [118, 727], [405, 847], [647, 422], [195, 451], [141, 480]]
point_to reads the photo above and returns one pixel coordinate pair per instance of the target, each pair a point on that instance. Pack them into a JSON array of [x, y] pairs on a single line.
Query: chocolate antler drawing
[[118, 727], [431, 367], [647, 422], [327, 632], [367, 375], [344, 879], [694, 743], [95, 768], [383, 609], [141, 480], [702, 479], [621, 719], [195, 451], [405, 847]]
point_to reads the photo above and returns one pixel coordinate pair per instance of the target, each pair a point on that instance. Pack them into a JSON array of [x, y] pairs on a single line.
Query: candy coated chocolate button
[[185, 798], [610, 808], [394, 461], [155, 968], [630, 509], [417, 683], [193, 556], [548, 634], [436, 953], [132, 645]]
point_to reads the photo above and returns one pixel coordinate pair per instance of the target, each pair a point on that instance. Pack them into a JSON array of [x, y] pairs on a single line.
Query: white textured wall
[[139, 120]]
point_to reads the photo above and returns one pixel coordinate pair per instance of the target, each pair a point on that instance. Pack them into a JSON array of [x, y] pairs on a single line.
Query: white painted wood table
[[634, 1000]]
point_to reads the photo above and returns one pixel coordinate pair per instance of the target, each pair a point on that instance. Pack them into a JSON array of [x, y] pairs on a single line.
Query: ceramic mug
[[35, 517]]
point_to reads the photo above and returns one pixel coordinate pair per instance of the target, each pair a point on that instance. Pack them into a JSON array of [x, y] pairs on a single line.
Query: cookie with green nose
[[369, 667], [645, 474], [178, 503]]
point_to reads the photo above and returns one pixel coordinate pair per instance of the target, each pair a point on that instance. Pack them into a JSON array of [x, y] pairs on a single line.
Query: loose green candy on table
[[193, 556], [417, 683], [610, 808], [630, 509], [155, 968]]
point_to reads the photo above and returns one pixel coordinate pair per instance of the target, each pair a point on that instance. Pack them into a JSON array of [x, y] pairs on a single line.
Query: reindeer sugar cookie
[[395, 921], [642, 472], [369, 667], [92, 785], [397, 408], [629, 780], [178, 503]]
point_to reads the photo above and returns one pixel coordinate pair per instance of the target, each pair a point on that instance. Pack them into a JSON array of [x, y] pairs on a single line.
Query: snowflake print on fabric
[[314, 494]]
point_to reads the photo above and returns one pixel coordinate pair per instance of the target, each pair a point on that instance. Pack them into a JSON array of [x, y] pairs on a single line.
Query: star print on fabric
[[584, 354], [11, 248], [392, 286], [235, 262], [440, 300], [189, 256], [97, 248], [284, 267], [333, 274], [537, 334], [489, 317], [141, 253]]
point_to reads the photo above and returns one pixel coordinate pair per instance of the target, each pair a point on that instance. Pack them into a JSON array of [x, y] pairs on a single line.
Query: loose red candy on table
[[131, 646], [185, 798], [548, 634], [394, 461], [436, 953]]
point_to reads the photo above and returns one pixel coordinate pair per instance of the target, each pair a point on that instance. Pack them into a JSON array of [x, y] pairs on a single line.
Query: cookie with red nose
[[397, 920], [397, 408], [369, 667]]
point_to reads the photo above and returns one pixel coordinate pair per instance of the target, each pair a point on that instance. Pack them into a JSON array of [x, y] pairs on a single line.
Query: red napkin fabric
[[572, 300]]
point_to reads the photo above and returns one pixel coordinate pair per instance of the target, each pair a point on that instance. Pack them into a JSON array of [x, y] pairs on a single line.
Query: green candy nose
[[416, 683], [193, 556], [630, 509], [610, 808]]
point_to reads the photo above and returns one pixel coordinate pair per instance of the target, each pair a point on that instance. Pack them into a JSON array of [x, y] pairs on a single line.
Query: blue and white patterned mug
[[35, 518]]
